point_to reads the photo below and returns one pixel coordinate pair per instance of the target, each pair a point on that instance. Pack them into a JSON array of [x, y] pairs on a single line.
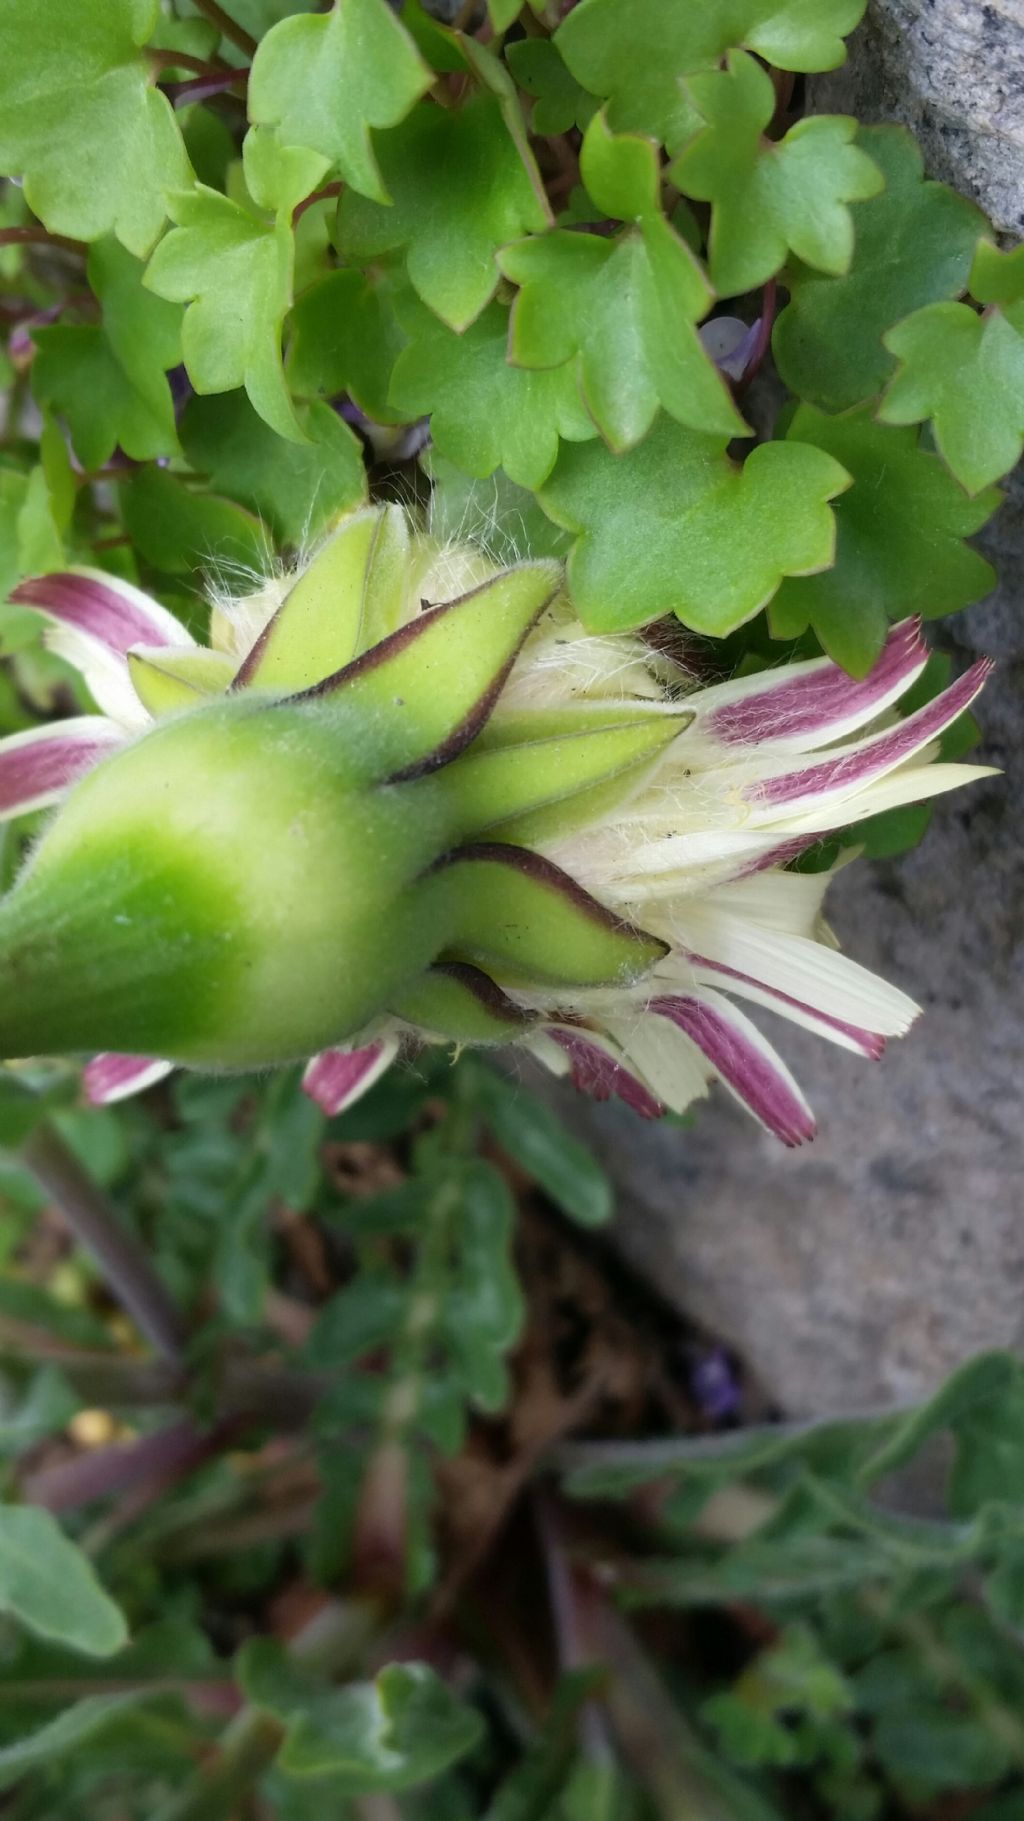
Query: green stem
[[380, 1539], [330, 1644], [248, 1747], [94, 1222]]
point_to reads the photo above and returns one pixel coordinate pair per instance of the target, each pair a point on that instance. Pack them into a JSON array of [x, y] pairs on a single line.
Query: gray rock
[[865, 1267], [953, 70]]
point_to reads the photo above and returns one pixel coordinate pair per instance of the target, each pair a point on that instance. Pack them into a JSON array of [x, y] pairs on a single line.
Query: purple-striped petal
[[597, 1069], [848, 1036], [39, 766], [336, 1079], [111, 1077], [104, 608], [805, 705], [745, 1062], [850, 770]]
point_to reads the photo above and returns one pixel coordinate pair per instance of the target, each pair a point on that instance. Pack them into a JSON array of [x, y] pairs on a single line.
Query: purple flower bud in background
[[730, 343], [714, 1385]]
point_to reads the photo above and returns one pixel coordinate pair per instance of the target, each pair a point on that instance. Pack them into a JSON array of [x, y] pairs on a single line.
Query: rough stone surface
[[953, 70], [866, 1266]]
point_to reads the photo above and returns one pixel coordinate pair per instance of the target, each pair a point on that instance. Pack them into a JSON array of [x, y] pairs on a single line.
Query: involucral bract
[[404, 797]]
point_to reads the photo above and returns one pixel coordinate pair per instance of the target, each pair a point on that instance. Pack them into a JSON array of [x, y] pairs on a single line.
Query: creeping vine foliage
[[514, 232], [260, 261]]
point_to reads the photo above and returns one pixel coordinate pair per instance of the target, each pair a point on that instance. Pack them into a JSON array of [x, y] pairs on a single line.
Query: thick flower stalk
[[403, 797]]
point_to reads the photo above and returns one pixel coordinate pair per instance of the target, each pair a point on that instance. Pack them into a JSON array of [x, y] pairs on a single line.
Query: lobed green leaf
[[676, 527], [624, 310], [233, 267], [461, 189], [912, 246], [325, 80], [965, 374], [109, 381], [638, 61], [98, 147], [900, 533], [769, 197], [224, 439], [485, 413]]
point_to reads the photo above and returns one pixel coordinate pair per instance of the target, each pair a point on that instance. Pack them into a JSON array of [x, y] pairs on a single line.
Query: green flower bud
[[262, 875], [405, 796]]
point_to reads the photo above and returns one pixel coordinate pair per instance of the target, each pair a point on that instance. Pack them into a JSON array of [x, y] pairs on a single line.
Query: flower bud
[[227, 890], [260, 875], [405, 796]]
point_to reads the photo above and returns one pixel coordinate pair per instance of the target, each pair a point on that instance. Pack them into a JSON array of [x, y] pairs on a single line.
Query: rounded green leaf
[[912, 246], [899, 539], [965, 373], [638, 60], [325, 81], [98, 147], [676, 527], [50, 1587], [461, 189]]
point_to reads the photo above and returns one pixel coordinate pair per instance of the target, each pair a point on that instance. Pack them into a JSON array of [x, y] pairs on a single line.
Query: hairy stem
[[124, 1262], [380, 1539]]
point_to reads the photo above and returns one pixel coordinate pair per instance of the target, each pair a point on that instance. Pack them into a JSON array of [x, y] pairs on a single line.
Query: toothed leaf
[[346, 337], [234, 269], [560, 102], [97, 146], [485, 413], [638, 62], [964, 373], [461, 189], [676, 527], [401, 1729], [770, 196], [624, 309], [324, 82], [997, 277], [912, 246], [899, 540]]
